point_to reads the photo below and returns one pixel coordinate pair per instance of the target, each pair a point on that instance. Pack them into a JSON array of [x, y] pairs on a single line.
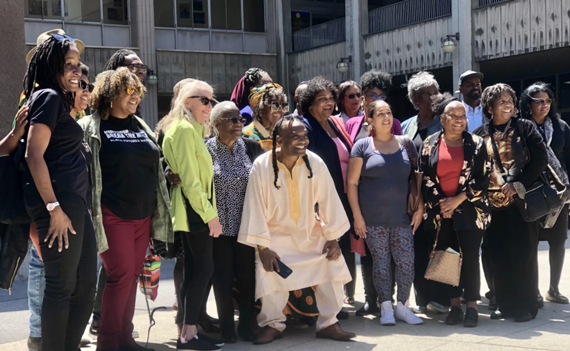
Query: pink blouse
[[344, 155]]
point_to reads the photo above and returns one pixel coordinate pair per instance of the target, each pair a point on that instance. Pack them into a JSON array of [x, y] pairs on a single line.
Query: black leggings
[[198, 270], [470, 240], [233, 261], [70, 274], [350, 260], [556, 237], [513, 251]]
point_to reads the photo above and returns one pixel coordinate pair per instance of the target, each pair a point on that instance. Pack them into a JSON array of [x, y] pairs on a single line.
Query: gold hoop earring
[[111, 104]]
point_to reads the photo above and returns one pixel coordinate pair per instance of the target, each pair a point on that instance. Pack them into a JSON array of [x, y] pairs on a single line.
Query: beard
[[474, 94]]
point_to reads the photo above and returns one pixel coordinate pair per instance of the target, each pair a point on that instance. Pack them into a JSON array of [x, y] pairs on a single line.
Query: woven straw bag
[[444, 267]]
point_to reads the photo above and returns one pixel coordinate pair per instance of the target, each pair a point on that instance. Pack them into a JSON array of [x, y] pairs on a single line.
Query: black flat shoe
[[493, 304], [208, 327], [211, 341], [556, 297], [342, 315], [367, 310], [539, 301], [523, 317], [471, 318], [500, 315], [489, 295], [455, 316]]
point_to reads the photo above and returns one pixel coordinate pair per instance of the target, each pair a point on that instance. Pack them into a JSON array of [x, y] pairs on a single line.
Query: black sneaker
[[196, 344], [493, 304], [209, 340], [471, 318], [455, 316]]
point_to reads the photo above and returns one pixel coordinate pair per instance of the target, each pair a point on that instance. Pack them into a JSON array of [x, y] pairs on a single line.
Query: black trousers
[[350, 259], [513, 245], [487, 264], [99, 296], [366, 264], [470, 240], [233, 261], [426, 290], [70, 274], [198, 270]]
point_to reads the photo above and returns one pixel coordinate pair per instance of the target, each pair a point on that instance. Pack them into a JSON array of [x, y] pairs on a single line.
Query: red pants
[[123, 261]]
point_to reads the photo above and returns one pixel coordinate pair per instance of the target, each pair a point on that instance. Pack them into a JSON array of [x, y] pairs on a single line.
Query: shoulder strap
[[495, 150], [408, 145]]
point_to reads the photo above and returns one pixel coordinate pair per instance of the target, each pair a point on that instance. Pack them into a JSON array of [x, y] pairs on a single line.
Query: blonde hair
[[179, 109], [160, 126]]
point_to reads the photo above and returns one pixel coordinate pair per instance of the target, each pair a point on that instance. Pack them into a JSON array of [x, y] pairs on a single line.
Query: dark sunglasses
[[205, 101], [60, 37], [352, 96], [235, 120], [275, 106], [375, 97], [137, 67], [86, 86], [542, 101]]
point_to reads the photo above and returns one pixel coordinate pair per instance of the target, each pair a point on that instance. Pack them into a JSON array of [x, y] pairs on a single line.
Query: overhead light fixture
[[151, 78], [343, 64], [450, 43]]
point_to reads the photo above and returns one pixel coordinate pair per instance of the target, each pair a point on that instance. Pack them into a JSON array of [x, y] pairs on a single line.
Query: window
[[226, 14], [192, 13], [163, 13], [253, 16], [82, 11], [114, 11]]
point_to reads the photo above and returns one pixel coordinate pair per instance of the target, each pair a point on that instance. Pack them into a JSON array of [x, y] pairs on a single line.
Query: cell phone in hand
[[284, 271]]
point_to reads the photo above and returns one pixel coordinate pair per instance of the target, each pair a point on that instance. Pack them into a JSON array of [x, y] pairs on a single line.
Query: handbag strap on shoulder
[[408, 145]]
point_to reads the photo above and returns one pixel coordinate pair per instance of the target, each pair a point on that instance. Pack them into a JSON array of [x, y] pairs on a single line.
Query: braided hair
[[118, 59], [278, 127], [252, 78], [44, 68]]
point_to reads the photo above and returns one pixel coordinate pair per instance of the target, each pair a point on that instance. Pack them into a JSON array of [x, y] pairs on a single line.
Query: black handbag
[[543, 196], [12, 209]]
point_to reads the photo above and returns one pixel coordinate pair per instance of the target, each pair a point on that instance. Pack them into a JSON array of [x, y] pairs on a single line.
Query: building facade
[[513, 41]]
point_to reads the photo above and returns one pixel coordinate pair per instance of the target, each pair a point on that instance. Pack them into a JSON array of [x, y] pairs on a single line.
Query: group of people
[[269, 207]]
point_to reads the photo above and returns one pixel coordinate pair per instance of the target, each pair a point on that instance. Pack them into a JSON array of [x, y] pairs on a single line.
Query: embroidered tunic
[[285, 221], [231, 173]]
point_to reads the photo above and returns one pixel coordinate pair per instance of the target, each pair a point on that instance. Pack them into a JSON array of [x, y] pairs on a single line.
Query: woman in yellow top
[[193, 203]]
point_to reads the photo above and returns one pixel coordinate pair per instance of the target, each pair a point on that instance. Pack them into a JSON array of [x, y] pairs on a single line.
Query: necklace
[[501, 135]]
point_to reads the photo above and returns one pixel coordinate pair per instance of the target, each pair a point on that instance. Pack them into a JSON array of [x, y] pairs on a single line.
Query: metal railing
[[490, 2], [321, 34], [407, 12]]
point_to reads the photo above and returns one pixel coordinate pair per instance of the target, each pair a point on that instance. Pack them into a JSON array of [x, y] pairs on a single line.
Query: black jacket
[[474, 213], [13, 250]]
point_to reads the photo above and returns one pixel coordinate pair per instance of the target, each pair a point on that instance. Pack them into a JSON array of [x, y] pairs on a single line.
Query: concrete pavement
[[549, 331]]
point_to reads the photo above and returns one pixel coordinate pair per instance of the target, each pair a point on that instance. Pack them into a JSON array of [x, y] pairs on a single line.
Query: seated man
[[292, 213]]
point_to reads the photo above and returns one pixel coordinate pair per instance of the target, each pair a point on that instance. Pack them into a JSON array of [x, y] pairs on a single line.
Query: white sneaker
[[135, 334], [387, 316], [403, 313]]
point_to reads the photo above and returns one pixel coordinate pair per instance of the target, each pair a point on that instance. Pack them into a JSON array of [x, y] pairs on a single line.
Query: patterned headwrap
[[258, 93]]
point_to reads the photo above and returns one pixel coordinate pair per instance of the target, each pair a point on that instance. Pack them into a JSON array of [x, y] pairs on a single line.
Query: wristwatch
[[51, 206]]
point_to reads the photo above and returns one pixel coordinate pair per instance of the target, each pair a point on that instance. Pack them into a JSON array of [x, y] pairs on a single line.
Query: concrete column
[[142, 21], [284, 44], [12, 61], [356, 26], [461, 12]]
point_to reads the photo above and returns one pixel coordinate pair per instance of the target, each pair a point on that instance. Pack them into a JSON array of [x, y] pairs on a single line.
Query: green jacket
[[161, 219], [187, 155]]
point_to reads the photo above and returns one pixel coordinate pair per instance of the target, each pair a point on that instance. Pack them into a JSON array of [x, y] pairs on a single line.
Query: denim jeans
[[36, 287]]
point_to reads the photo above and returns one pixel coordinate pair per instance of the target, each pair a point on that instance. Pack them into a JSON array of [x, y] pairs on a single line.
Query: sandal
[[349, 300]]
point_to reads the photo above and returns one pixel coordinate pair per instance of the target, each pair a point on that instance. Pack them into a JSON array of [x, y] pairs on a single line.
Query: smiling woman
[[56, 191]]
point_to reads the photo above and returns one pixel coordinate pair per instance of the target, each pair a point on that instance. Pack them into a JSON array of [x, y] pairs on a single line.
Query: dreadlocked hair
[[252, 77], [118, 59], [44, 68], [278, 127]]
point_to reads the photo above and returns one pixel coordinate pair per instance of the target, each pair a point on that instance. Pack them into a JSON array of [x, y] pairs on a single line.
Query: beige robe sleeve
[[254, 230], [331, 212]]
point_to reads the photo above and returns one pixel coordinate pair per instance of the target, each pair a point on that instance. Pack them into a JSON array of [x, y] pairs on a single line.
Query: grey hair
[[419, 81], [218, 112]]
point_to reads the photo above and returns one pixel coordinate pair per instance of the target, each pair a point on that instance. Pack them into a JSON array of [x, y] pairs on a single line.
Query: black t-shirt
[[419, 138], [128, 164], [64, 155]]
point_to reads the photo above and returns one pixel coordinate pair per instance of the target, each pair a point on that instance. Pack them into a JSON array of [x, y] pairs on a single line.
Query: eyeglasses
[[374, 97], [205, 101], [542, 101], [137, 67], [352, 96], [60, 37], [131, 90], [235, 120], [87, 86], [275, 106]]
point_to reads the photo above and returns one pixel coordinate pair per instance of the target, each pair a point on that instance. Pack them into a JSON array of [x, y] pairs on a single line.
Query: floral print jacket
[[474, 213]]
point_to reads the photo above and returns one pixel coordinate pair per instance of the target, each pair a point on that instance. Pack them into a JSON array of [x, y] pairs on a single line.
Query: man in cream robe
[[284, 220]]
